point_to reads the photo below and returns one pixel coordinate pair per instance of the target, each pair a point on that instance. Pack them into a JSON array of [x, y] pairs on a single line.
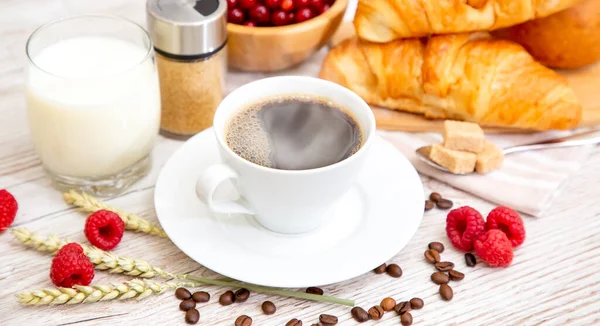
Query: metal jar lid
[[187, 27]]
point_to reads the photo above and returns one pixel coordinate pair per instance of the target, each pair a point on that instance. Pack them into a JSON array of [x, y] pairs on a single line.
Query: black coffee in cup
[[294, 133]]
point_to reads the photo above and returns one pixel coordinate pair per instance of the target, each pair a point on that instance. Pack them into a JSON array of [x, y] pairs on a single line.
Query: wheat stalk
[[102, 260], [137, 288], [106, 260], [132, 222]]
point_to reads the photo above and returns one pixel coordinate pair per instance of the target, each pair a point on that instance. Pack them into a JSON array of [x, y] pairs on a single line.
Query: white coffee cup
[[284, 201]]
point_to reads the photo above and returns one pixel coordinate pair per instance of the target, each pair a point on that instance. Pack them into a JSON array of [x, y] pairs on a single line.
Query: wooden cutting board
[[585, 82]]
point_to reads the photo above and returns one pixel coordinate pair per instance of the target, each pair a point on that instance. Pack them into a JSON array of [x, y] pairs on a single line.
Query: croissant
[[386, 20], [469, 77]]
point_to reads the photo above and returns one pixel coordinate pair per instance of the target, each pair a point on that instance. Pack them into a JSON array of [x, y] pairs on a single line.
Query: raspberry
[[104, 229], [8, 209], [71, 266], [509, 222], [464, 225], [494, 248]]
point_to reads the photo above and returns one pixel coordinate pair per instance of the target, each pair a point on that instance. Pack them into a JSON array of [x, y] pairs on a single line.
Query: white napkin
[[527, 182]]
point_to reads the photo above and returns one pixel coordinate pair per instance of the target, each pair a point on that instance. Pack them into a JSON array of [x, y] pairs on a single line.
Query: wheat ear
[[102, 260], [132, 222], [137, 288], [106, 260]]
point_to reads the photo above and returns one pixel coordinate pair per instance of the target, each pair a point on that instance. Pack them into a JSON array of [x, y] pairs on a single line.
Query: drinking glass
[[93, 102]]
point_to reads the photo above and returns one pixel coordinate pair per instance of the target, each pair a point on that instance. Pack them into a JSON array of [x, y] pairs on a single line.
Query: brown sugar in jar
[[191, 57], [190, 93]]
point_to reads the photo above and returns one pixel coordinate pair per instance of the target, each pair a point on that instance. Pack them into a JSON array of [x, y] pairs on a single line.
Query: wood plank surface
[[553, 281]]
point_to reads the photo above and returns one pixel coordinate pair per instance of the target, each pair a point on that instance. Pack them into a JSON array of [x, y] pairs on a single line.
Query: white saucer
[[371, 224]]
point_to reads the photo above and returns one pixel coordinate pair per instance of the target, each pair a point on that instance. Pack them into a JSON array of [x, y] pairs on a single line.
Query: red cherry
[[329, 2], [304, 14], [287, 5], [291, 18], [247, 4], [279, 18], [260, 14], [273, 4], [325, 8], [250, 24], [232, 3], [235, 15], [299, 4], [317, 5]]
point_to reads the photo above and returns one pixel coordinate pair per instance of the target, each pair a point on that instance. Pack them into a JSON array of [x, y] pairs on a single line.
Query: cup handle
[[210, 180]]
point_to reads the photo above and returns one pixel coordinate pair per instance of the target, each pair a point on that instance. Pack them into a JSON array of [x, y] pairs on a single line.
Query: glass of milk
[[93, 102]]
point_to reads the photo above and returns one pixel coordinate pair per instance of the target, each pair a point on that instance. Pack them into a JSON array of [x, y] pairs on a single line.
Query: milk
[[93, 105]]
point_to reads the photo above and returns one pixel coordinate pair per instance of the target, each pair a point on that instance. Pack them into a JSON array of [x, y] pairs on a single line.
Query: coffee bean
[[242, 295], [456, 275], [444, 266], [429, 205], [201, 296], [470, 259], [192, 316], [359, 314], [381, 269], [227, 298], [434, 197], [446, 292], [416, 303], [314, 290], [188, 304], [182, 294], [328, 319], [440, 278], [394, 270], [376, 312], [432, 256], [406, 319], [388, 304], [444, 203], [437, 246], [268, 307], [294, 322], [402, 307], [243, 320]]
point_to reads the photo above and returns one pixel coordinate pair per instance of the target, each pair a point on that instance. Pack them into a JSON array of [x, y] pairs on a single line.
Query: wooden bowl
[[281, 47]]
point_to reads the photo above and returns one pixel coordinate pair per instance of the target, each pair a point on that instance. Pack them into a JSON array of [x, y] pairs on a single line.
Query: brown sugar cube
[[490, 158], [458, 162], [463, 136]]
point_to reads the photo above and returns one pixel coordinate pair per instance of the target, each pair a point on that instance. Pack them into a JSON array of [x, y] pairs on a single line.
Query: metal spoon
[[584, 138]]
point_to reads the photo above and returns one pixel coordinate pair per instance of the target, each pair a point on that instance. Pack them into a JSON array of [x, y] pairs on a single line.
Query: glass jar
[[93, 102], [190, 39]]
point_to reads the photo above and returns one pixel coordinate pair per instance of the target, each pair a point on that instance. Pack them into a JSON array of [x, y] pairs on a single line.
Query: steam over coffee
[[294, 133]]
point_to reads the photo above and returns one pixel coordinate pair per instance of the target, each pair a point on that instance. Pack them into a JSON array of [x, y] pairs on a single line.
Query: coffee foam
[[248, 138], [246, 124]]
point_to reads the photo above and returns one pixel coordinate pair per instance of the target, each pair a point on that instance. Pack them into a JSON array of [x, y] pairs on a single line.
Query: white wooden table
[[554, 279]]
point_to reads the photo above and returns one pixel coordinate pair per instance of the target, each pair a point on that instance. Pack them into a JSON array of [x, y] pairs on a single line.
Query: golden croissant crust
[[467, 77], [386, 20]]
